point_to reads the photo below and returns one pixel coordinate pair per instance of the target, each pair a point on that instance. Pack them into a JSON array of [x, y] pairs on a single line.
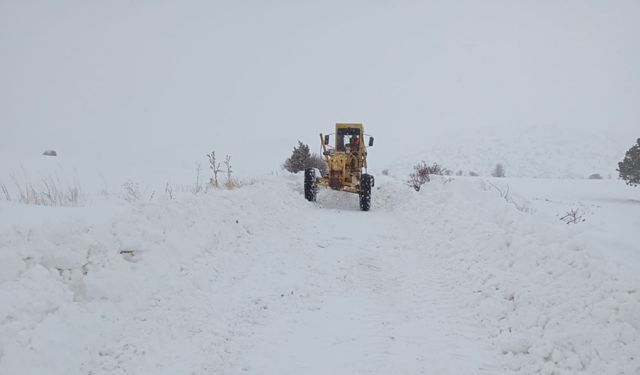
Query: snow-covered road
[[368, 297], [452, 280]]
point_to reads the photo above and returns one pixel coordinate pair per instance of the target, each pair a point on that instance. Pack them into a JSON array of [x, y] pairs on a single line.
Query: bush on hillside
[[302, 159], [421, 172], [629, 167], [498, 171]]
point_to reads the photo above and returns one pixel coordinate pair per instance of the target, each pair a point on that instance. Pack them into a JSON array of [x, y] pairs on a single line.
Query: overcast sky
[[139, 79]]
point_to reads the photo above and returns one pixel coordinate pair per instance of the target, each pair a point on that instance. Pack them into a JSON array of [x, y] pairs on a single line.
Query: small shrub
[[132, 191], [498, 171], [169, 190], [595, 176], [421, 172], [385, 172], [419, 176], [573, 217], [473, 174], [505, 193], [436, 169]]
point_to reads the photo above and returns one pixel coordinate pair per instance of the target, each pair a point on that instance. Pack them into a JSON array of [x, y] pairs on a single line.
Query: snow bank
[[550, 299], [204, 283], [100, 288]]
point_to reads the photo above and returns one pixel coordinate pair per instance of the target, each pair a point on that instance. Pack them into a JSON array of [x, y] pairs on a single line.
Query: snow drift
[[455, 279]]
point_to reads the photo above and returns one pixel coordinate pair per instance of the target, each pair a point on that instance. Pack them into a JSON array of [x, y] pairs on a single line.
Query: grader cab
[[347, 165]]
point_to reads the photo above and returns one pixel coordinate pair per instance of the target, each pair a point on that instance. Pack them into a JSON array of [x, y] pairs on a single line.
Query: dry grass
[[5, 192], [232, 184], [49, 191]]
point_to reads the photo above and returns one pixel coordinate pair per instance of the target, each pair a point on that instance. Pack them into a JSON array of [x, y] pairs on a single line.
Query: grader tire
[[310, 185], [366, 182]]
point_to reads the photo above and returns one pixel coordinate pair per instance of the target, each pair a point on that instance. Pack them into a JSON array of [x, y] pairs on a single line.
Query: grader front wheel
[[310, 185], [366, 183]]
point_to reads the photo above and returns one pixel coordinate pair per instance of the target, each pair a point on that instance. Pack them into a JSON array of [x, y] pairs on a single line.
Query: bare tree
[[197, 188], [215, 169], [227, 163]]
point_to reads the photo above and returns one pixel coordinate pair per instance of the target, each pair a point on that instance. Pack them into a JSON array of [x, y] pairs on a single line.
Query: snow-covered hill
[[530, 152], [460, 278], [537, 152]]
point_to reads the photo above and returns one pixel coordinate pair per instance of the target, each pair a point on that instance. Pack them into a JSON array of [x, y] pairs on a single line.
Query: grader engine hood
[[337, 167]]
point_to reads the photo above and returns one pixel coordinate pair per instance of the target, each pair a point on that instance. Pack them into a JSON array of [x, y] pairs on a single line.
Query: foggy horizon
[[139, 78]]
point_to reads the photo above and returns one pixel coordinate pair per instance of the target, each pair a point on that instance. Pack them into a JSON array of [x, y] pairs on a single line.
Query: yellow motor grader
[[346, 160]]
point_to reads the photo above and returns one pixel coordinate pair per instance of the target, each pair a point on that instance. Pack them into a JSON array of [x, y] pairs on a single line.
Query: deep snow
[[460, 278], [454, 279]]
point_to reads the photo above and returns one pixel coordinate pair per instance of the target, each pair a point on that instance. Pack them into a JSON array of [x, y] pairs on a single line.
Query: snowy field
[[460, 278], [129, 268]]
